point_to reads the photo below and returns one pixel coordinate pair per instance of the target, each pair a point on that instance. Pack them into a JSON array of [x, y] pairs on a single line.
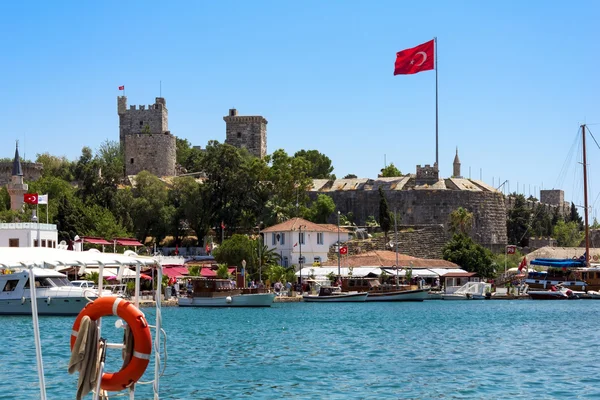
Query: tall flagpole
[[436, 102]]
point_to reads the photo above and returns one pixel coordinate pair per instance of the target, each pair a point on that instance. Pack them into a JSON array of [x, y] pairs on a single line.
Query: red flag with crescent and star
[[343, 250], [416, 59], [30, 198]]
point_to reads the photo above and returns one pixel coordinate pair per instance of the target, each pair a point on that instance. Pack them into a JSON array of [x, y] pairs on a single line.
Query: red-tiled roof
[[294, 224], [386, 258]]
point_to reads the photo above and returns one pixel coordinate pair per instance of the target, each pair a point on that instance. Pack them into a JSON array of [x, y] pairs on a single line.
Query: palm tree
[[223, 272], [461, 221]]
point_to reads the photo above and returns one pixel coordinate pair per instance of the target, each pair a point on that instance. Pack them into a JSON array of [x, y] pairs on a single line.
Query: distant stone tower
[[16, 188], [456, 166], [145, 138], [246, 132]]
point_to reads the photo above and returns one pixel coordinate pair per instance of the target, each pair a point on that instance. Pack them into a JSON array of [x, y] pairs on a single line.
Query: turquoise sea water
[[435, 349]]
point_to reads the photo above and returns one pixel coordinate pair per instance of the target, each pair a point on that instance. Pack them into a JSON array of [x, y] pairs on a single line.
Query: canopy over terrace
[[128, 242], [94, 240], [386, 258], [43, 257]]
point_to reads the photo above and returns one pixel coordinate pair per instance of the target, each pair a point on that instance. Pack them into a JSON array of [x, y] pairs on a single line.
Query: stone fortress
[[423, 199]]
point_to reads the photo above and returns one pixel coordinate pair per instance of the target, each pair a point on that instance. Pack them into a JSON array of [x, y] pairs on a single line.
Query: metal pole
[[158, 330], [260, 245], [36, 333], [436, 102], [338, 248], [300, 259], [396, 244]]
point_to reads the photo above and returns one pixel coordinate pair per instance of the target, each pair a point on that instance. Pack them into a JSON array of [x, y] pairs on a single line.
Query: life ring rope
[[142, 340]]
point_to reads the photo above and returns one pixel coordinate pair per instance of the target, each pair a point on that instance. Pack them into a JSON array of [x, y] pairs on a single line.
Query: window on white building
[[320, 238], [13, 242], [285, 262], [283, 238], [301, 237], [273, 239]]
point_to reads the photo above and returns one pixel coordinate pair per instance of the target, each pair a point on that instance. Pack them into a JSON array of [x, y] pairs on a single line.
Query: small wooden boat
[[209, 292], [384, 292], [335, 295]]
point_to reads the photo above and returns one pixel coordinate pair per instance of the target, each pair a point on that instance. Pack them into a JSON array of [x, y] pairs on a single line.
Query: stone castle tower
[[456, 166], [16, 188], [145, 138], [248, 132]]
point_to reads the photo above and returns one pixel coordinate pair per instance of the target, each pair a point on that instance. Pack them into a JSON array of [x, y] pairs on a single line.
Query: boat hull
[[45, 306], [237, 300], [549, 295], [401, 295], [336, 298]]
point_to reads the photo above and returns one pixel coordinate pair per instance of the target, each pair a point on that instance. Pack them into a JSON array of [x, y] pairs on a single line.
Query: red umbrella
[[147, 277]]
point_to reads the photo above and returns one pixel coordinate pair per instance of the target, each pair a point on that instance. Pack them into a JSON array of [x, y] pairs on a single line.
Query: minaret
[[456, 165], [16, 188]]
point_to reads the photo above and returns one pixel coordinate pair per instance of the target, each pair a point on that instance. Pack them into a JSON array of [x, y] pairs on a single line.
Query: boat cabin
[[371, 284], [214, 287]]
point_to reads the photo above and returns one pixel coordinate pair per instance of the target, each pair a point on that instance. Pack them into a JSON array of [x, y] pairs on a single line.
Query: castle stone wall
[[246, 132], [31, 171], [154, 153], [431, 207]]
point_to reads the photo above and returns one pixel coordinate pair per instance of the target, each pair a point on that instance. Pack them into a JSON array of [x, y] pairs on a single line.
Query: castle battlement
[[145, 137], [257, 119], [246, 132]]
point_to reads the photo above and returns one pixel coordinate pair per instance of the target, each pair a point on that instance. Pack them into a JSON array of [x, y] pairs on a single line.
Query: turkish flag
[[343, 250], [417, 59], [122, 87], [511, 249], [523, 264], [30, 198]]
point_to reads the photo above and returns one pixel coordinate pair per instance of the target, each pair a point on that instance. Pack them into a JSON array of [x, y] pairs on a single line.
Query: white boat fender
[[23, 300], [48, 300], [229, 299]]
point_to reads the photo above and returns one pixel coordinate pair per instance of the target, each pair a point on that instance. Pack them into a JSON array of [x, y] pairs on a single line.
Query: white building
[[298, 237], [28, 234]]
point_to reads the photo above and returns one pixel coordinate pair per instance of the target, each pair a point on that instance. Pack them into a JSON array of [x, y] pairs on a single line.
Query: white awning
[[43, 257]]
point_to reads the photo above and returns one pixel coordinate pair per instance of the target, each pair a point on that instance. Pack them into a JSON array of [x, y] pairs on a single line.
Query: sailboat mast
[[585, 201]]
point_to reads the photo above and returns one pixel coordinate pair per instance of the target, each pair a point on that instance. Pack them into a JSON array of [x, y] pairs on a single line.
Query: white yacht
[[55, 294]]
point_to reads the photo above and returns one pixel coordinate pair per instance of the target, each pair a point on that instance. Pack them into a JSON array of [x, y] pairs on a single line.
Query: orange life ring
[[142, 340]]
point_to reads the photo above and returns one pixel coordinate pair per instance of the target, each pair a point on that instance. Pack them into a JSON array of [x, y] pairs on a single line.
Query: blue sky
[[516, 79]]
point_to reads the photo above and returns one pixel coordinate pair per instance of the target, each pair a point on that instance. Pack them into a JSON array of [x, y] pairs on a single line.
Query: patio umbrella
[[147, 277]]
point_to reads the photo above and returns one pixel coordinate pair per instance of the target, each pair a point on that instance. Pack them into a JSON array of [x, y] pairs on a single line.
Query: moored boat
[[335, 295], [209, 292], [384, 292], [555, 293], [470, 291]]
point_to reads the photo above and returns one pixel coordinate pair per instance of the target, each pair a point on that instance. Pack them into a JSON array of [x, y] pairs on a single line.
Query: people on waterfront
[[288, 287], [277, 287], [190, 287]]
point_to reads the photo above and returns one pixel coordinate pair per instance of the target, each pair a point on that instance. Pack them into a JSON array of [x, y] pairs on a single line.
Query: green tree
[[234, 250], [59, 167], [223, 272], [320, 164], [350, 176], [468, 255], [385, 219], [461, 221], [519, 221], [595, 224], [541, 221], [575, 217], [390, 171], [149, 198], [289, 179], [567, 234], [321, 209]]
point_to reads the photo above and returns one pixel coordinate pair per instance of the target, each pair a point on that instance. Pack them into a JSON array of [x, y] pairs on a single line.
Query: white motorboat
[[335, 295], [555, 293], [54, 293], [210, 292], [470, 291]]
